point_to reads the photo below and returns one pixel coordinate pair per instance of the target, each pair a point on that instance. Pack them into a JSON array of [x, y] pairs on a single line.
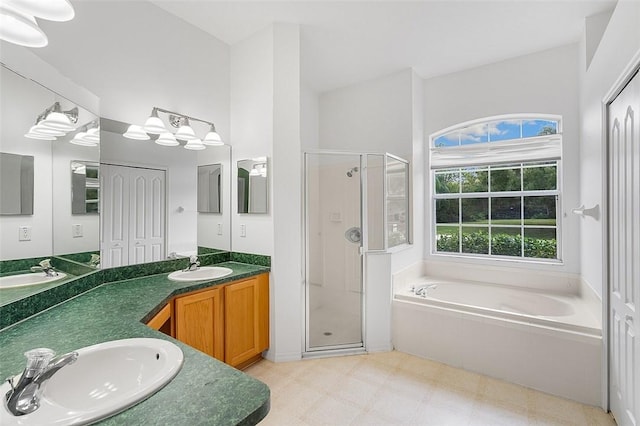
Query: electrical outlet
[[24, 233], [76, 230], [219, 229], [243, 230]]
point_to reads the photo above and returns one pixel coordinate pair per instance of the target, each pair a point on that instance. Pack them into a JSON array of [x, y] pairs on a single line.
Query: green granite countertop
[[205, 392]]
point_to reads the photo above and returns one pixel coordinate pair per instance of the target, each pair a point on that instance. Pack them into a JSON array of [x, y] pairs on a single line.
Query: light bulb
[[51, 10], [154, 125], [32, 135], [212, 138], [41, 130], [195, 145], [20, 28], [135, 132], [167, 139], [58, 121]]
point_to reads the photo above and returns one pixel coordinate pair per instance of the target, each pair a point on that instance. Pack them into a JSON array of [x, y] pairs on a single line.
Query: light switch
[[76, 230], [24, 233], [243, 230]]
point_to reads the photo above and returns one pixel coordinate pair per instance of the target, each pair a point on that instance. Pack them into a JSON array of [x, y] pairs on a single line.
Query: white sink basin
[[200, 274], [30, 278], [106, 379]]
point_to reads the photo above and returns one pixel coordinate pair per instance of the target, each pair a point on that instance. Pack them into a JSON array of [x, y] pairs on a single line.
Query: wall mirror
[[160, 216], [209, 188], [253, 196], [16, 184], [51, 229], [85, 187]]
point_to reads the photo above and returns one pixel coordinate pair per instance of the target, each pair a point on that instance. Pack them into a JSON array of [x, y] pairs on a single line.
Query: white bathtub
[[549, 342]]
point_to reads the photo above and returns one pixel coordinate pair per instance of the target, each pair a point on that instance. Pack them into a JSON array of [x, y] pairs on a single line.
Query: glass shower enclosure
[[354, 203]]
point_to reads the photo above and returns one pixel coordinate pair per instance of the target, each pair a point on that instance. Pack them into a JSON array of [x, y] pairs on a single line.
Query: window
[[495, 189]]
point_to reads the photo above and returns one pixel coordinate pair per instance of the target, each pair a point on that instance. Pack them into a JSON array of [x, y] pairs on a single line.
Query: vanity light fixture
[[154, 125], [90, 137], [18, 24]]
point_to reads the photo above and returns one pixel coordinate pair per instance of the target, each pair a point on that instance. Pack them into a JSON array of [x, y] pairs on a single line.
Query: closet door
[[146, 215], [624, 252], [115, 215]]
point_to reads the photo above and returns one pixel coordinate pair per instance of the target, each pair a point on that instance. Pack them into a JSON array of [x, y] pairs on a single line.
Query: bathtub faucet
[[422, 290]]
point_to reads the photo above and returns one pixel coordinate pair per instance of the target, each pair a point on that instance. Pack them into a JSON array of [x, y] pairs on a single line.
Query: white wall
[[286, 264], [251, 111], [619, 43], [309, 117], [374, 116], [378, 116], [265, 121], [20, 104], [543, 82]]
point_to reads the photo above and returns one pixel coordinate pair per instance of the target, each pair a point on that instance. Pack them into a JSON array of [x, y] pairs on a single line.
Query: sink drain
[[327, 333]]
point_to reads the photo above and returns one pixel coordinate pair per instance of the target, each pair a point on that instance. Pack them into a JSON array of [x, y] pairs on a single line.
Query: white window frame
[[481, 148]]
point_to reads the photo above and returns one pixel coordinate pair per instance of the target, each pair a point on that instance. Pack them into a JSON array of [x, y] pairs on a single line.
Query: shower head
[[352, 171]]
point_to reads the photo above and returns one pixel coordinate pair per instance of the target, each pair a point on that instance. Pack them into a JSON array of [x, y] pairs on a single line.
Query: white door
[[114, 188], [146, 215], [624, 254], [133, 225]]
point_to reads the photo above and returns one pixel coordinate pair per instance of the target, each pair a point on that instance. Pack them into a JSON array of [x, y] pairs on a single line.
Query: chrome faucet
[[422, 290], [24, 397], [45, 266], [95, 260], [194, 264]]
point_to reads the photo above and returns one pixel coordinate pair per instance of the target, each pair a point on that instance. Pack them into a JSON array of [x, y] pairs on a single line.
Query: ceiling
[[346, 42]]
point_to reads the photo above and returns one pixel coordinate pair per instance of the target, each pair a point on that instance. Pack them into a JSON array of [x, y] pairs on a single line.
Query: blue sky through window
[[496, 131]]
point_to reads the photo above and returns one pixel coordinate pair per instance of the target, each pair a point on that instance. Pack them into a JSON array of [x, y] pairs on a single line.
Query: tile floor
[[394, 388]]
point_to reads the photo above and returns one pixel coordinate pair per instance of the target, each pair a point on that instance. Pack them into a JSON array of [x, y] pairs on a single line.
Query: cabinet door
[[246, 319], [199, 321], [162, 321]]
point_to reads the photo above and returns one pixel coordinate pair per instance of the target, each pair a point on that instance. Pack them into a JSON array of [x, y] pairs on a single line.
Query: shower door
[[333, 227]]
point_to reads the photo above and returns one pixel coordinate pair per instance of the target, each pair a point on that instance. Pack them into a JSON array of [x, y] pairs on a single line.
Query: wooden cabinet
[[246, 319], [163, 321], [199, 321], [230, 321]]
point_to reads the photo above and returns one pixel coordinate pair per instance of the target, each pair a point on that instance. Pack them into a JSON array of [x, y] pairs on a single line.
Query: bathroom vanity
[[229, 321], [205, 391]]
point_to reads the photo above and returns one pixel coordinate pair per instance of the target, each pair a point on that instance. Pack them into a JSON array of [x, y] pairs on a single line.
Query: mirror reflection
[[209, 181], [51, 129], [252, 185], [85, 187], [16, 184], [149, 205]]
